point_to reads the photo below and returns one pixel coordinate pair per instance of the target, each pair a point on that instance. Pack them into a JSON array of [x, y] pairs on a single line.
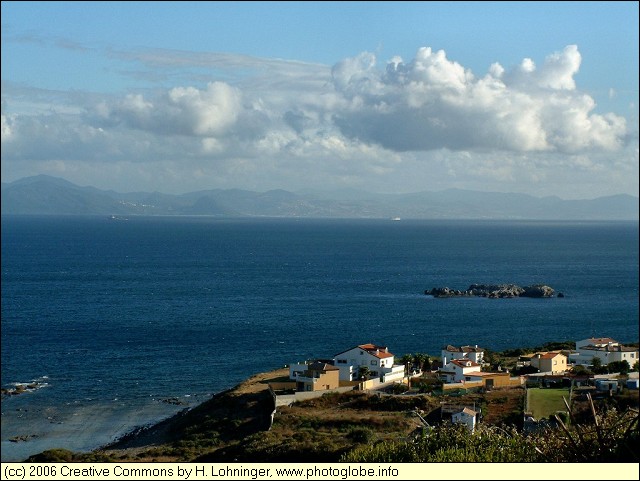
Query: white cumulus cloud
[[425, 123], [432, 102], [180, 111]]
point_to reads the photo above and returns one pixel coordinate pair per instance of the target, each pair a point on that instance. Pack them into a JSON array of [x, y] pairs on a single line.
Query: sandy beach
[[80, 427], [86, 426]]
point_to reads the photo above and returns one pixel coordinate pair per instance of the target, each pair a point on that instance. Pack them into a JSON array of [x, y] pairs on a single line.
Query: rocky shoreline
[[495, 291]]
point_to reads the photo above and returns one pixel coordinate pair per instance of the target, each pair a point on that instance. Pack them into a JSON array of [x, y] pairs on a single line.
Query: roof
[[549, 355], [381, 352], [468, 411], [465, 363], [486, 374], [321, 366], [451, 348], [618, 348], [600, 340]]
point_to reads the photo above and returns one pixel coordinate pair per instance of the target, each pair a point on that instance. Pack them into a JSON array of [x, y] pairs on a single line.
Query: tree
[[489, 356], [619, 366], [363, 373], [579, 369], [596, 366], [407, 359], [426, 365], [419, 359]]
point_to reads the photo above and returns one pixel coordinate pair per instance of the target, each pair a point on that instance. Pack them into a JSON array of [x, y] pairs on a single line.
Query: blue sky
[[532, 97]]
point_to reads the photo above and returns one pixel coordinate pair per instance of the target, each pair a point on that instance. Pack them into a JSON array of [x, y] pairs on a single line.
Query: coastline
[[237, 424], [97, 427], [80, 428]]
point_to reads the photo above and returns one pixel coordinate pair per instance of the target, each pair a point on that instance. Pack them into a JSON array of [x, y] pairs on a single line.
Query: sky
[[538, 98]]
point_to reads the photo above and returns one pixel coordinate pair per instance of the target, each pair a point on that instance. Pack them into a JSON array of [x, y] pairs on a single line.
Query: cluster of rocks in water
[[19, 389], [495, 291]]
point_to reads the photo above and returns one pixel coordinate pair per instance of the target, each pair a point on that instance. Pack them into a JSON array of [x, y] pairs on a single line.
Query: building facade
[[474, 353], [377, 360]]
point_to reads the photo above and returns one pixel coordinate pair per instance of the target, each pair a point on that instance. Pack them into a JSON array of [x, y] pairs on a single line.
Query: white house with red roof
[[377, 359], [457, 369]]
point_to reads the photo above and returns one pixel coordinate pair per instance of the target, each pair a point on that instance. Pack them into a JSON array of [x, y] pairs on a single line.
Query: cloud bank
[[432, 102], [253, 123]]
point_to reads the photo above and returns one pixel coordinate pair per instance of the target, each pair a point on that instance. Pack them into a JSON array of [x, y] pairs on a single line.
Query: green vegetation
[[450, 443], [418, 361], [621, 367], [544, 402], [608, 436]]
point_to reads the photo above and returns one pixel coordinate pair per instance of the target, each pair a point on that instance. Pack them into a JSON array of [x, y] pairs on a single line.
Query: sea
[[111, 323]]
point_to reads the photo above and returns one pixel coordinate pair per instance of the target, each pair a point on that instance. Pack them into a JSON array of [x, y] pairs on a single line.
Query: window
[[342, 361], [373, 363]]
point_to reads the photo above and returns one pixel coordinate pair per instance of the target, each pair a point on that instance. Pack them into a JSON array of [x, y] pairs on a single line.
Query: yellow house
[[319, 376], [549, 362]]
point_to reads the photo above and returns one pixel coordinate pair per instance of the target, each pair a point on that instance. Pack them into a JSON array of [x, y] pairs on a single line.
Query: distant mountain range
[[42, 194]]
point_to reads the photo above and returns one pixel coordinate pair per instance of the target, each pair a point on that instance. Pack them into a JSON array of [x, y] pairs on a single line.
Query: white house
[[604, 348], [465, 416], [610, 353], [297, 369], [597, 342], [376, 358], [474, 353], [456, 370]]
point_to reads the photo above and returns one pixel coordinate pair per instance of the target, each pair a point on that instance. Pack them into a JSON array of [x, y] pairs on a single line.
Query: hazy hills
[[41, 195]]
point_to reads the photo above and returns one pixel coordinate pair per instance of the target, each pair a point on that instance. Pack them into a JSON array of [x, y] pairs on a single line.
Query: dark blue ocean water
[[133, 311]]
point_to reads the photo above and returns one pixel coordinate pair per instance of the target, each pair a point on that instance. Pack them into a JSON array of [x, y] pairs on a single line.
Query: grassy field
[[542, 402]]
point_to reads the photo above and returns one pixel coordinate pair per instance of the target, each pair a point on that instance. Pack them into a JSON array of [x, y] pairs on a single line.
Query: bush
[[398, 388], [611, 436], [52, 456], [361, 435]]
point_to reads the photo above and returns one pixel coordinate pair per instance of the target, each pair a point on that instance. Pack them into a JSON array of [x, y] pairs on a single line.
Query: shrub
[[361, 435], [611, 436], [53, 456]]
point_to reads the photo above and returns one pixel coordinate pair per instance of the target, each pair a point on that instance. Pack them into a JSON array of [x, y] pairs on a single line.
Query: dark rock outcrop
[[538, 291], [495, 291]]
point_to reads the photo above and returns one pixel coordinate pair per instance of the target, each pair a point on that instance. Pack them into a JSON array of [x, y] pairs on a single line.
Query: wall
[[287, 399], [462, 385], [281, 386]]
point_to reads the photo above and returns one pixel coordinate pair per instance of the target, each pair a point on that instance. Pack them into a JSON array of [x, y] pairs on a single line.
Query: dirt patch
[[504, 406], [260, 382]]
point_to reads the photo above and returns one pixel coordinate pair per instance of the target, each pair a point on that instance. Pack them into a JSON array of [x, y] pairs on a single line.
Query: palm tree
[[407, 359], [363, 373], [426, 365], [419, 359]]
